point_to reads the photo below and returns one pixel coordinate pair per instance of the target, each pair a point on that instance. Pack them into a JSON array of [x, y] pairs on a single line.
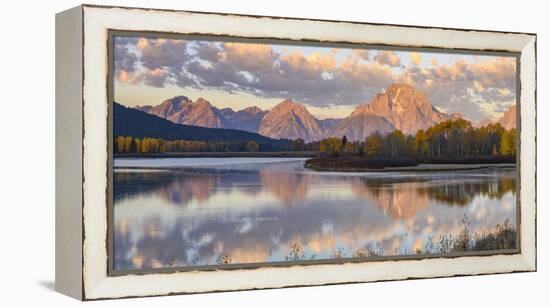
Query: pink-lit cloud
[[320, 78]]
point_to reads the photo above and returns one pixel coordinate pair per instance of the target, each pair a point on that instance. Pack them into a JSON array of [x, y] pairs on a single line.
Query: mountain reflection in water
[[255, 212]]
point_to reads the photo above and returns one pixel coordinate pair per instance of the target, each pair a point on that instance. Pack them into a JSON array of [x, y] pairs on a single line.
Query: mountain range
[[182, 110], [400, 107], [508, 119], [132, 122]]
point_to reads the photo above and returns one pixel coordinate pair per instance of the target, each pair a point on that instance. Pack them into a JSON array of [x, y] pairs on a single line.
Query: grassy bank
[[500, 237]]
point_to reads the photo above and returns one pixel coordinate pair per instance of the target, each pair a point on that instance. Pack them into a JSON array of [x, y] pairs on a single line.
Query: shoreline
[[325, 167], [282, 154], [420, 168], [405, 164]]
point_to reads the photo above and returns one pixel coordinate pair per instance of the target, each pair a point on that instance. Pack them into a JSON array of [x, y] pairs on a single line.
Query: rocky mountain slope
[[247, 119], [135, 123], [508, 119], [359, 126], [182, 110], [405, 108], [400, 106], [291, 120]]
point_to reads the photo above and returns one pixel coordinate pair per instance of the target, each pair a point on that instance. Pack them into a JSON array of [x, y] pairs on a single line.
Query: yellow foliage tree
[[374, 145], [119, 144], [331, 145], [252, 146], [508, 143]]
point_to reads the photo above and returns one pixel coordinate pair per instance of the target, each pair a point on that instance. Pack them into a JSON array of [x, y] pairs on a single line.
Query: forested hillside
[[137, 124]]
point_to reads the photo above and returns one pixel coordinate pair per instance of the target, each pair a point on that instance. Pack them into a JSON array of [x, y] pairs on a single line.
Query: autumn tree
[[331, 146], [455, 138], [137, 145], [119, 144], [351, 148], [128, 141], [374, 145], [252, 146], [395, 144], [508, 143]]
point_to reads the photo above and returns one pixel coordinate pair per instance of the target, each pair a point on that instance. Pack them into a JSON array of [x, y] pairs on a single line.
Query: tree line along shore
[[451, 141]]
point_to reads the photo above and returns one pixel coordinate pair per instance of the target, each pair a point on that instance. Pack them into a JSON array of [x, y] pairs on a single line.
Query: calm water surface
[[178, 212]]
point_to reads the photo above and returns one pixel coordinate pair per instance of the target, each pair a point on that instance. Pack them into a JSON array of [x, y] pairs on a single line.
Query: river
[[179, 212]]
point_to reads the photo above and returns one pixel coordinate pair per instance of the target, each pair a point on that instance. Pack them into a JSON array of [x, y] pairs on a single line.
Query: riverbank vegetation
[[498, 238], [448, 139], [451, 141], [501, 237], [131, 145]]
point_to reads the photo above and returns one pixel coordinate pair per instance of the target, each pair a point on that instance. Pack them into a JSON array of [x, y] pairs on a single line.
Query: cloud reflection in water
[[255, 212]]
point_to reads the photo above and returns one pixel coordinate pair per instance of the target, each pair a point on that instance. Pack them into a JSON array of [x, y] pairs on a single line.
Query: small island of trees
[[452, 141], [452, 138]]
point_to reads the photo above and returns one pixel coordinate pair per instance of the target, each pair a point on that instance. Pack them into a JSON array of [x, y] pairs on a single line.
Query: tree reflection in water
[[257, 213]]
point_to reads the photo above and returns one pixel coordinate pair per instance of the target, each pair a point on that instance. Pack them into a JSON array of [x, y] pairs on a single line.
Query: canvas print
[[242, 153]]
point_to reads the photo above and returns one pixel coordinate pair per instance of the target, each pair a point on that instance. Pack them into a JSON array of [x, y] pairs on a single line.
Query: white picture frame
[[82, 154]]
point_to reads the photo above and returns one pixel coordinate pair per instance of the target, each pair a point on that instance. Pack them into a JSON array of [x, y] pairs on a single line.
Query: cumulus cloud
[[318, 78], [162, 53], [388, 58], [362, 54], [416, 58], [465, 87], [151, 61], [248, 57], [155, 77], [499, 73], [124, 60]]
